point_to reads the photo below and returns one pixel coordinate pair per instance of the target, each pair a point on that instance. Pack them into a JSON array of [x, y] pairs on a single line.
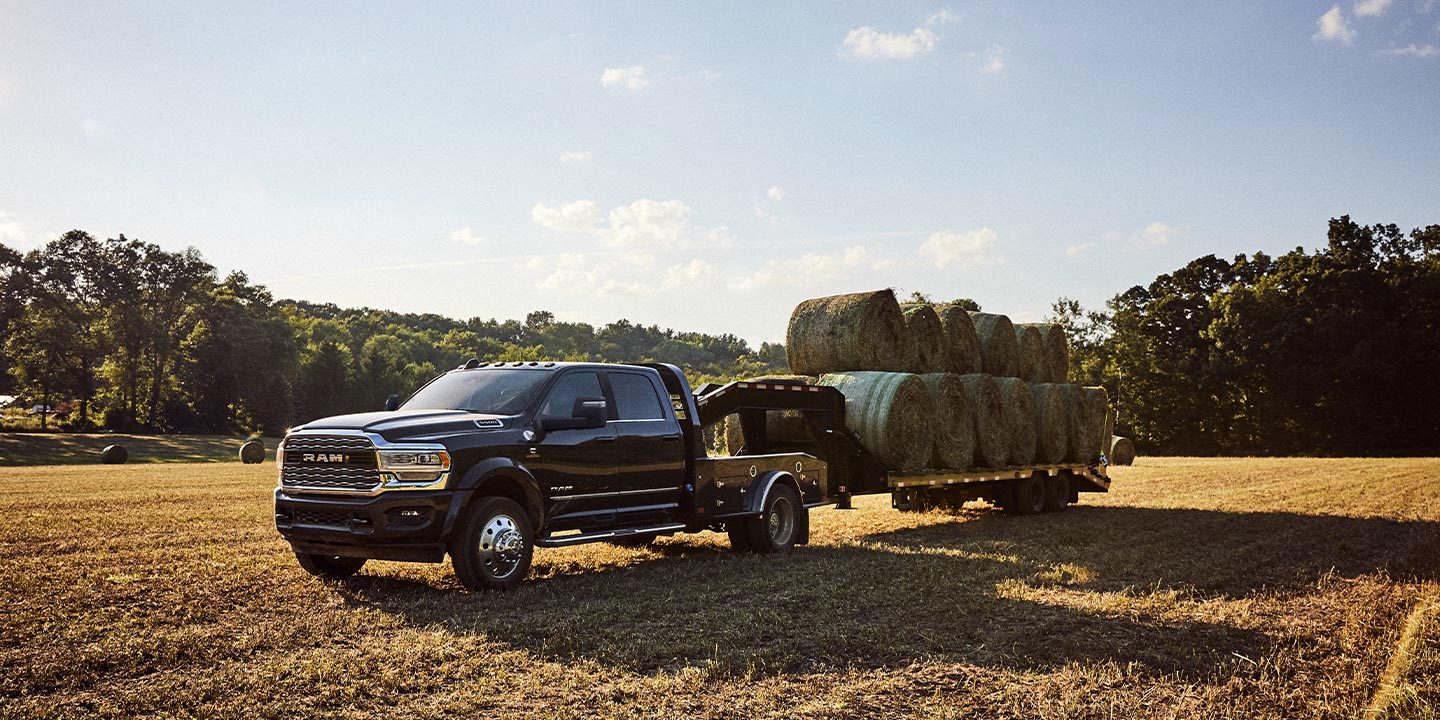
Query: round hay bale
[[1030, 356], [733, 436], [1098, 411], [114, 455], [1122, 451], [955, 431], [987, 408], [962, 344], [1057, 351], [1019, 418], [1109, 431], [997, 343], [252, 452], [891, 413], [859, 331], [1086, 408], [927, 338], [1052, 423]]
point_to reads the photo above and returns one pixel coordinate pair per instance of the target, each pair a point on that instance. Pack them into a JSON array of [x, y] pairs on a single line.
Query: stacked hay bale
[[1018, 419], [962, 344], [1032, 364], [859, 331], [927, 339], [987, 408], [891, 413], [1056, 348], [955, 431], [998, 349], [1122, 451], [1086, 408], [1052, 423]]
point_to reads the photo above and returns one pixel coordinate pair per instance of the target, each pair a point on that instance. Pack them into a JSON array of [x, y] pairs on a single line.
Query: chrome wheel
[[502, 546], [781, 521]]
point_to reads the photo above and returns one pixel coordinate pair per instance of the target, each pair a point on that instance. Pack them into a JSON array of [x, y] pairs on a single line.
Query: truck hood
[[411, 424]]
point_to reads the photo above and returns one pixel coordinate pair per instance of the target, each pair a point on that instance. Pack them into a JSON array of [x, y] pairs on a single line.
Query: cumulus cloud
[[12, 233], [1079, 249], [810, 269], [867, 43], [959, 249], [994, 62], [696, 272], [1334, 27], [578, 216], [576, 156], [1368, 8], [776, 192], [465, 235], [626, 274], [630, 78], [1155, 234], [1412, 50]]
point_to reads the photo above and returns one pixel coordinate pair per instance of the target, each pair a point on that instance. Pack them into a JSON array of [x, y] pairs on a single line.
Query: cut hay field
[[84, 448], [1283, 588]]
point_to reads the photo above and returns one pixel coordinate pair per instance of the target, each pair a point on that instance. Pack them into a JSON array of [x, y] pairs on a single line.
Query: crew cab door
[[575, 467], [649, 451]]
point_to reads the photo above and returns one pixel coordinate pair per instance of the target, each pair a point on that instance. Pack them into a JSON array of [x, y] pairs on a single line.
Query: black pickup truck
[[491, 460]]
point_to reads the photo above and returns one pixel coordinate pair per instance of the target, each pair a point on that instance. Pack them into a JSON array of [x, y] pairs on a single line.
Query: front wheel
[[329, 567], [493, 546]]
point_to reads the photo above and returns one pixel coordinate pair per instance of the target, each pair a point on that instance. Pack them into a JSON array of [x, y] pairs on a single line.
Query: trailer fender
[[497, 476], [759, 492]]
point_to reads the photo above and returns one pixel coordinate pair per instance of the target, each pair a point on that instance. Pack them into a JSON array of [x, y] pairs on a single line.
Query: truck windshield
[[497, 392]]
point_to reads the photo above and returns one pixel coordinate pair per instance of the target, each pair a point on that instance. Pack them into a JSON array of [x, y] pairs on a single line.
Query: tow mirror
[[392, 403], [588, 413]]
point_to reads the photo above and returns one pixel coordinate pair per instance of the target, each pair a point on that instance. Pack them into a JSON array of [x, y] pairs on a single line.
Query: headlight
[[414, 465]]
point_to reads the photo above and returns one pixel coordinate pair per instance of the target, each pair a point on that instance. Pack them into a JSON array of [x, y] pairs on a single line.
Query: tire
[[780, 521], [1057, 493], [493, 546], [1029, 497], [329, 567]]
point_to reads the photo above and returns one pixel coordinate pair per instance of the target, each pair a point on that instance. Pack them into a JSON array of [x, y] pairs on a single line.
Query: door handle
[[606, 439], [675, 436]]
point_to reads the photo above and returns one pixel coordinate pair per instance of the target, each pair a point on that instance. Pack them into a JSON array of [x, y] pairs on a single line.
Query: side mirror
[[589, 413], [392, 403]]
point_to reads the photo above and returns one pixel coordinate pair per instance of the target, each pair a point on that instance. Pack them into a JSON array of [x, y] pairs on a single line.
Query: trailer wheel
[[1057, 492], [493, 546], [329, 567], [1029, 496], [778, 526]]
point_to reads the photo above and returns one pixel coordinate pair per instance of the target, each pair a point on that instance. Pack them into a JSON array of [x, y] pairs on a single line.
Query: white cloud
[[1155, 234], [467, 236], [810, 269], [1368, 8], [960, 249], [91, 128], [994, 62], [1412, 50], [867, 43], [14, 235], [630, 78], [710, 75], [1333, 26], [578, 216], [776, 192], [576, 156], [688, 275], [627, 274], [941, 18], [1079, 249]]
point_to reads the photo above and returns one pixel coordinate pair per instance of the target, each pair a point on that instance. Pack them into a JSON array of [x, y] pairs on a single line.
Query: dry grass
[[1199, 588], [84, 448]]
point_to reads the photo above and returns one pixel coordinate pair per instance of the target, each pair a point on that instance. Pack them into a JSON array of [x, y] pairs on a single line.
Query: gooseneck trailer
[[491, 460]]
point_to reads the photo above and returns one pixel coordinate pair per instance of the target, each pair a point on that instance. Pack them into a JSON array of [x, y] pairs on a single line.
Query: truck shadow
[[1134, 586]]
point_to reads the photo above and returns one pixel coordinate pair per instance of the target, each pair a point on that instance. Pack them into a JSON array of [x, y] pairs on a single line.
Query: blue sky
[[706, 167]]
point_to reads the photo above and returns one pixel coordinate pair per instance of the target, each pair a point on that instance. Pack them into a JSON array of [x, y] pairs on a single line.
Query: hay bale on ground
[[955, 432], [114, 455], [1019, 414], [927, 339], [1030, 357], [1086, 408], [1122, 451], [962, 345], [997, 343], [859, 331], [1052, 423], [987, 408], [1057, 351], [891, 413], [252, 452]]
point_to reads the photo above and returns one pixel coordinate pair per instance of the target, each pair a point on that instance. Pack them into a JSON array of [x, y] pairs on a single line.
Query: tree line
[[121, 334], [1332, 352]]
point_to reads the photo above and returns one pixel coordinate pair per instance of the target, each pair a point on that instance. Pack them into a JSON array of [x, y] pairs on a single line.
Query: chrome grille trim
[[359, 475]]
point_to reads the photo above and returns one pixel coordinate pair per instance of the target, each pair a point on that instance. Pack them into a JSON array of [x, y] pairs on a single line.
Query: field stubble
[[1198, 588]]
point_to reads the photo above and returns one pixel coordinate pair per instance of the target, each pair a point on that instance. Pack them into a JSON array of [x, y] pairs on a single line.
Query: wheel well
[[511, 488]]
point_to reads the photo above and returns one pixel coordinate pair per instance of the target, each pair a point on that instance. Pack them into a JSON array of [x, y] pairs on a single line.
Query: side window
[[635, 397], [570, 387]]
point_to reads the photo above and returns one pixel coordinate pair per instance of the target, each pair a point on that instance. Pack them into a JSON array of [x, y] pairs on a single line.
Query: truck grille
[[329, 462], [330, 518]]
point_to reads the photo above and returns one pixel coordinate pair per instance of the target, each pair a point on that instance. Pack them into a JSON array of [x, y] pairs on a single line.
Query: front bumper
[[407, 526]]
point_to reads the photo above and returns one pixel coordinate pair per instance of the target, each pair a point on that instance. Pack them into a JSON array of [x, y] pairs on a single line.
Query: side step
[[582, 538]]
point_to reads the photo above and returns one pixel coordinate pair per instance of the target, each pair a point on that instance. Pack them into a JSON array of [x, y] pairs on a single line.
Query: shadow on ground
[[1091, 584]]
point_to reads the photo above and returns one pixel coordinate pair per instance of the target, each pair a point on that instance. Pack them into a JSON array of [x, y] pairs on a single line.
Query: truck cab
[[490, 460]]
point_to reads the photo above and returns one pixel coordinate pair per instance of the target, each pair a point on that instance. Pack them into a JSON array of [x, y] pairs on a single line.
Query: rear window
[[635, 397]]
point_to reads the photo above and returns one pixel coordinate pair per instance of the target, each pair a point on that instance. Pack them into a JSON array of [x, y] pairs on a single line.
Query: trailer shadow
[[1094, 584]]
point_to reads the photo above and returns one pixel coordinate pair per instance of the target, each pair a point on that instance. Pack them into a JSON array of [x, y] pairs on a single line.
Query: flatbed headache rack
[[852, 470]]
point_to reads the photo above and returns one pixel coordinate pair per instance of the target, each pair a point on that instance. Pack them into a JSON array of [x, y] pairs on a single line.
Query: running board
[[582, 538]]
